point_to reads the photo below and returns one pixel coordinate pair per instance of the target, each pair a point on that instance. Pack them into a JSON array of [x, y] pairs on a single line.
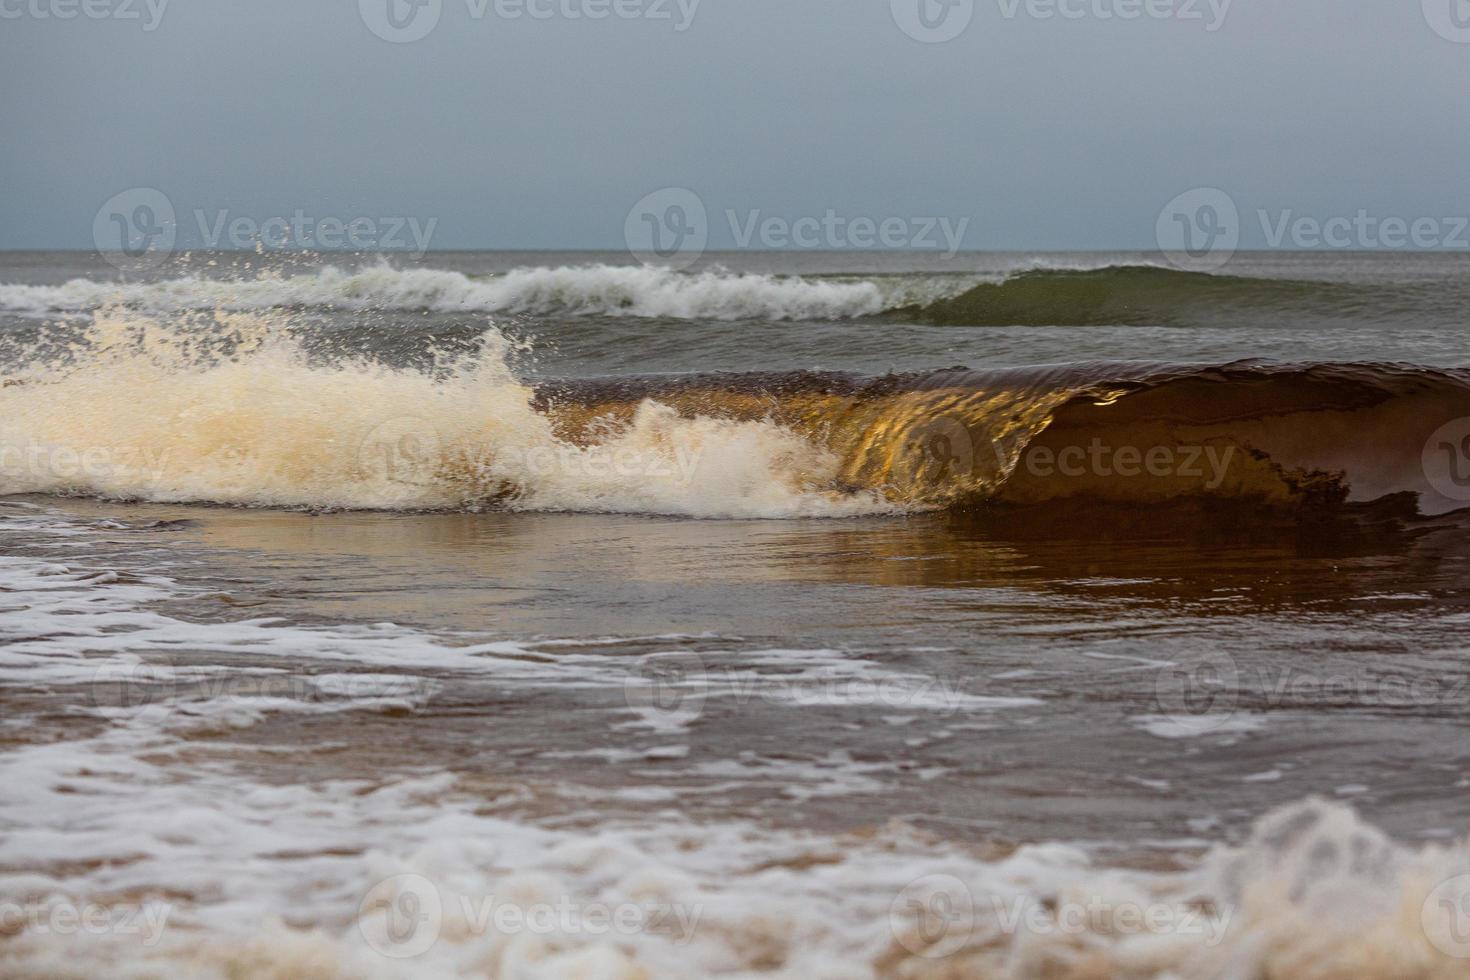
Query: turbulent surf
[[1073, 617], [1028, 293], [156, 408]]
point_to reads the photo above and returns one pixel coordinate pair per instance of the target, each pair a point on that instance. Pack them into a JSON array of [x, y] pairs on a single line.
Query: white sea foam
[[131, 848], [594, 290], [411, 878], [140, 415]]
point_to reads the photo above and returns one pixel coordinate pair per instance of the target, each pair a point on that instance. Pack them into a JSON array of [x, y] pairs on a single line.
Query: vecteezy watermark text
[[672, 688], [146, 685], [1201, 229], [835, 231], [1098, 458], [404, 21], [56, 916], [1203, 692], [402, 917], [303, 231], [1288, 229], [937, 21], [946, 443], [138, 228], [937, 916], [1210, 13], [148, 13], [47, 461], [408, 450], [671, 227]]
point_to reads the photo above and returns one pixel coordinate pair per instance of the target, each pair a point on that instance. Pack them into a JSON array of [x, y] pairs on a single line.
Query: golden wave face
[[155, 409], [923, 448], [1289, 436]]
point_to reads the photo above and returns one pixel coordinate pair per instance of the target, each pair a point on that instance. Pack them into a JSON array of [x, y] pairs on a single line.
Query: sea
[[792, 615]]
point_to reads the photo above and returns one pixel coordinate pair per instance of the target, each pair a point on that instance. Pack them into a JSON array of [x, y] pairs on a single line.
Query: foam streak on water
[[189, 867]]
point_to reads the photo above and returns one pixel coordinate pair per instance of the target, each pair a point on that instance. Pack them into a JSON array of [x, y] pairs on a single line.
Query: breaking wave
[[1035, 296], [598, 290], [1316, 436], [158, 409]]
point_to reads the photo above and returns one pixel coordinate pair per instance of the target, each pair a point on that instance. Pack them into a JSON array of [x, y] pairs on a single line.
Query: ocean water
[[831, 615]]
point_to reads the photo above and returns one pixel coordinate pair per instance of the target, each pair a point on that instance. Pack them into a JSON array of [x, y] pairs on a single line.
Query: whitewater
[[797, 616], [600, 290]]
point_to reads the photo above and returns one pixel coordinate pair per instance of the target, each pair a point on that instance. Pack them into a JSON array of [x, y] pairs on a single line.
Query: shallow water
[[1053, 738]]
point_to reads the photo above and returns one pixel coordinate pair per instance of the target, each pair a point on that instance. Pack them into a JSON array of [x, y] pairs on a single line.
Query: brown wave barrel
[[1317, 435]]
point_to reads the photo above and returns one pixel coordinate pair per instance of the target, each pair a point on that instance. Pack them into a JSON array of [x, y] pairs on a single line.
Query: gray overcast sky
[[1047, 133]]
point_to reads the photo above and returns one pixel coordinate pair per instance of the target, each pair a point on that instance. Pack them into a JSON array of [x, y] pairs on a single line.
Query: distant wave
[[1035, 296], [598, 290], [1127, 294]]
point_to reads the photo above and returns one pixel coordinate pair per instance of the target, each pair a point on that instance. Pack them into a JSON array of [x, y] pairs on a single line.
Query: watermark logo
[[1445, 917], [403, 450], [138, 229], [933, 917], [1446, 459], [939, 448], [1450, 19], [401, 918], [122, 690], [668, 689], [669, 227], [933, 21], [132, 688], [400, 21], [1199, 694], [1199, 230], [135, 228]]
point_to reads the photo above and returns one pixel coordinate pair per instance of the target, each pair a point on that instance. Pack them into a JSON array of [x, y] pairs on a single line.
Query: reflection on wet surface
[[975, 676]]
